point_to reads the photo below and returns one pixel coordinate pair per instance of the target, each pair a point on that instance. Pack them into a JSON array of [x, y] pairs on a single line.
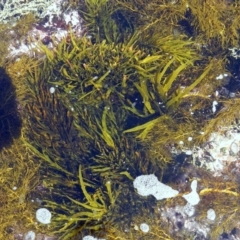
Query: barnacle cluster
[[100, 110]]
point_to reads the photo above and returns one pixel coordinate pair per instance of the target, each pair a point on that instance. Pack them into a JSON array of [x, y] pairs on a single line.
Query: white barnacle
[[52, 90]]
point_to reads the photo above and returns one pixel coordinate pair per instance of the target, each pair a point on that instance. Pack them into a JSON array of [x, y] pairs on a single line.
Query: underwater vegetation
[[98, 111], [205, 22], [87, 135], [18, 177]]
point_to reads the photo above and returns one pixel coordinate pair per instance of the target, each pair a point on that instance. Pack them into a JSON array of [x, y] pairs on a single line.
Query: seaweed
[[228, 114], [89, 215], [99, 22], [18, 177], [218, 193], [147, 72]]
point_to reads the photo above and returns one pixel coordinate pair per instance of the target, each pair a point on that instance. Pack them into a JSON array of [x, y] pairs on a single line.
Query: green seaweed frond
[[144, 128], [219, 29], [175, 99], [98, 19], [180, 49], [83, 215], [45, 157], [105, 133]]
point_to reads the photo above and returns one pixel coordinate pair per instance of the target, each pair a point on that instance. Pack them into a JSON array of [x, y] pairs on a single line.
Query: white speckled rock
[[149, 185]]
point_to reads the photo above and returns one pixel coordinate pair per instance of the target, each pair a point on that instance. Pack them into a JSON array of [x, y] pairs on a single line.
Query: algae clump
[[121, 100]]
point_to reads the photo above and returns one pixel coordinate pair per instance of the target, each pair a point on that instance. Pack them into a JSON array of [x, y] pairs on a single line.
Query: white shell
[[189, 139], [89, 237], [52, 90], [43, 215], [192, 197], [29, 236], [144, 227], [188, 152], [211, 214]]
